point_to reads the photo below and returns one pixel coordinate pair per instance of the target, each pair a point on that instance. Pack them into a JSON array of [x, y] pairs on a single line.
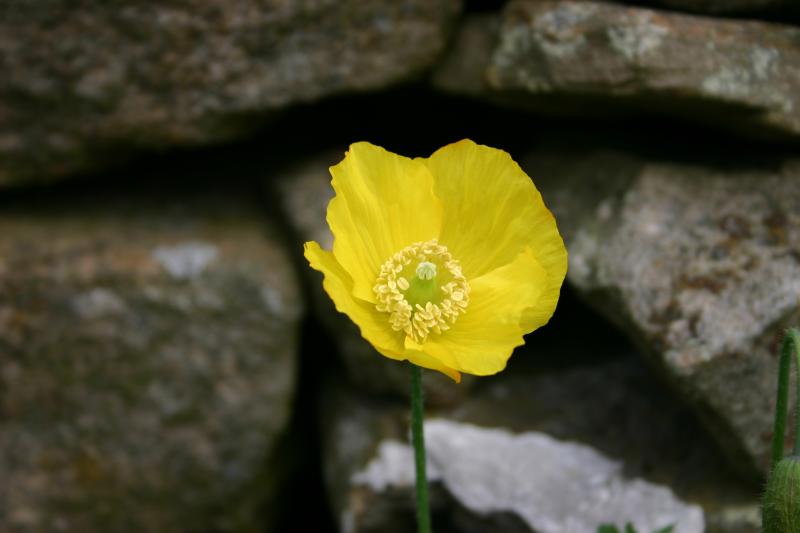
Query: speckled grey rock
[[590, 58], [462, 69], [148, 364], [701, 265], [83, 85], [491, 474], [305, 191]]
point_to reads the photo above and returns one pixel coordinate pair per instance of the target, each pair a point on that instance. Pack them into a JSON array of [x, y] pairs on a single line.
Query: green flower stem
[[791, 343], [418, 439]]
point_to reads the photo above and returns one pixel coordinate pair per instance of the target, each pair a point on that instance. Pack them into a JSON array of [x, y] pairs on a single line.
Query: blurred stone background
[[169, 363]]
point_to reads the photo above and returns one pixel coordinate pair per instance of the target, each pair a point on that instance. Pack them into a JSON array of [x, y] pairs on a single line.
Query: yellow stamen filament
[[415, 273]]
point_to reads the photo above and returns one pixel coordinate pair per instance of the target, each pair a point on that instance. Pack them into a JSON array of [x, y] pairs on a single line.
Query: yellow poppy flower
[[445, 262]]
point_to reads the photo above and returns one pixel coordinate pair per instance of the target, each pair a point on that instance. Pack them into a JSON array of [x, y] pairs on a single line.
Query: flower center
[[423, 290]]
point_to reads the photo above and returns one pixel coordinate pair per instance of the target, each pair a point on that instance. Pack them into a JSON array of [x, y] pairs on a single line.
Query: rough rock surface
[[700, 264], [154, 75], [490, 472], [462, 69], [589, 58], [305, 192], [148, 364]]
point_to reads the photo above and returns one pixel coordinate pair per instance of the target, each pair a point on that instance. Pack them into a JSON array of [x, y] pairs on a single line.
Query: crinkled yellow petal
[[548, 247], [492, 210], [339, 286], [425, 360], [373, 325], [383, 203], [552, 256], [476, 201], [482, 340]]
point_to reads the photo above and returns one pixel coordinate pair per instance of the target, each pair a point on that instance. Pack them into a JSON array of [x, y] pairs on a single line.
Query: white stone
[[553, 486]]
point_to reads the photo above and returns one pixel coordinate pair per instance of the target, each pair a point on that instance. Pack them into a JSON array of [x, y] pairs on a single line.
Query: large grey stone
[[305, 191], [700, 264], [82, 84], [597, 59], [462, 69], [613, 432], [148, 364]]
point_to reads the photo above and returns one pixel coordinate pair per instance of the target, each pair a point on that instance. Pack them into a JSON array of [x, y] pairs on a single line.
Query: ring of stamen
[[422, 289]]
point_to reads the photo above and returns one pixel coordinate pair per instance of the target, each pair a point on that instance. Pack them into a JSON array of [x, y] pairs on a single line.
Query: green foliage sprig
[[610, 528], [780, 508]]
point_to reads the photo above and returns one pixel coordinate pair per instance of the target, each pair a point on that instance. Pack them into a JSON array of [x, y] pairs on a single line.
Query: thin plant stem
[[791, 344], [418, 440]]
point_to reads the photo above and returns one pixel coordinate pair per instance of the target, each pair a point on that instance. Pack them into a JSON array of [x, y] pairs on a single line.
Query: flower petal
[[339, 286], [482, 340], [552, 256], [492, 210], [424, 360], [383, 203]]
